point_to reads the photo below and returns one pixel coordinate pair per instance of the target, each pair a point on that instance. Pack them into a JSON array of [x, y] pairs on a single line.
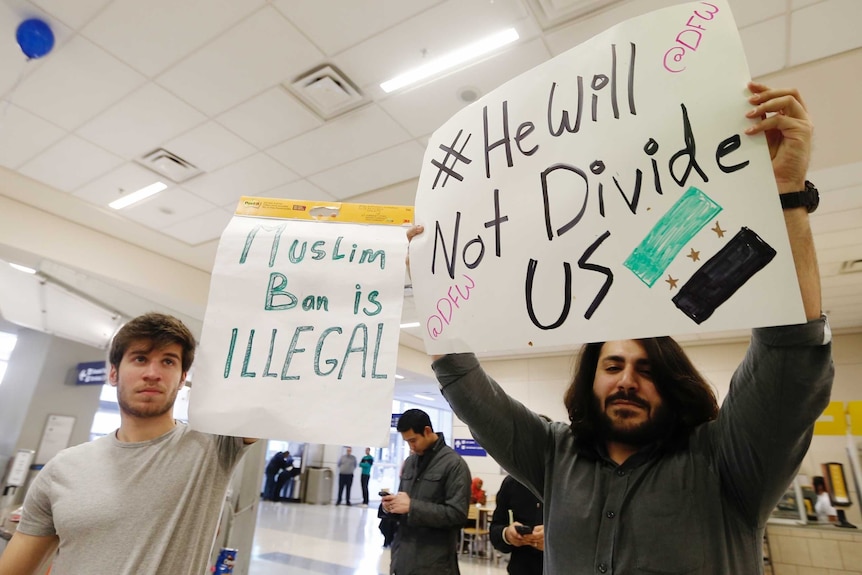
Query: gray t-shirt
[[346, 464], [133, 508]]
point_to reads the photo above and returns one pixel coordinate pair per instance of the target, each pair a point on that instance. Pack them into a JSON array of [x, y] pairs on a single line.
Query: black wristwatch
[[809, 198]]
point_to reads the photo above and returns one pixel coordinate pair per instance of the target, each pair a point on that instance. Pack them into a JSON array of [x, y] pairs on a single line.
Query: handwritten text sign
[[300, 337], [608, 193]]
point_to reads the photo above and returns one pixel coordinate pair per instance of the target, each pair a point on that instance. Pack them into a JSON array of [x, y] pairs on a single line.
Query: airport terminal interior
[[133, 138]]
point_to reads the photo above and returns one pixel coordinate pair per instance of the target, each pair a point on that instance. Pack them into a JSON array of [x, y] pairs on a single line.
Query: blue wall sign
[[469, 447], [92, 373], [395, 418]]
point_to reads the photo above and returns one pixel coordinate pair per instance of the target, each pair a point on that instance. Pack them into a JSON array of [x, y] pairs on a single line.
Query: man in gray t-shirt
[[346, 467], [143, 500]]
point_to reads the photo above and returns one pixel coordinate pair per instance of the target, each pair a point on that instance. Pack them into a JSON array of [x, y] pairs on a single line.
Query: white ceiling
[[208, 80]]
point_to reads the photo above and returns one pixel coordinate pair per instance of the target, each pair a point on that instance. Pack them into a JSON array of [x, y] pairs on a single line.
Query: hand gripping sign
[[608, 193], [302, 324]]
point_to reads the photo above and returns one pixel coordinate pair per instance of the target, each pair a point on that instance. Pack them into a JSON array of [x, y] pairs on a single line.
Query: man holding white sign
[[145, 499], [650, 476]]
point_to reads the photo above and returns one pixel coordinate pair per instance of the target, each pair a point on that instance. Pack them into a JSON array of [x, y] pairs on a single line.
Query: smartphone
[[524, 529], [384, 492]]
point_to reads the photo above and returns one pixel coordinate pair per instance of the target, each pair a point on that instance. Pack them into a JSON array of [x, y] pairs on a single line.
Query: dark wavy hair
[[689, 399], [157, 328]]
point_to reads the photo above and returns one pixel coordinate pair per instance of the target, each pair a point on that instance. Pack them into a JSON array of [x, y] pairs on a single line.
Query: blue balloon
[[35, 38]]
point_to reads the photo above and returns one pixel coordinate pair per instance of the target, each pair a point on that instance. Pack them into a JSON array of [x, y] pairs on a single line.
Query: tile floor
[[301, 539]]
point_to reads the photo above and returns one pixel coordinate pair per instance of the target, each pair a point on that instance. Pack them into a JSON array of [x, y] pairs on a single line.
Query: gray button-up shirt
[[699, 509]]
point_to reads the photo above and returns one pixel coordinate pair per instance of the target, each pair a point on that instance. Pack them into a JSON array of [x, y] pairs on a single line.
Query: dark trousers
[[345, 482], [364, 479]]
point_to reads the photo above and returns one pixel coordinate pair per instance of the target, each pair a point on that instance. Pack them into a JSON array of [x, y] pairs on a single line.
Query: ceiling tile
[[351, 23], [69, 163], [210, 147], [746, 12], [346, 138], [578, 31], [120, 181], [75, 83], [32, 135], [824, 29], [440, 100], [152, 35], [298, 190], [74, 14], [438, 31], [371, 172], [797, 4], [270, 118], [141, 122], [248, 177], [251, 57], [760, 42], [168, 207], [201, 228]]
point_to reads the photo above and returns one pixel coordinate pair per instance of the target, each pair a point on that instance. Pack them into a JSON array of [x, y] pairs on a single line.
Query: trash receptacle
[[318, 488]]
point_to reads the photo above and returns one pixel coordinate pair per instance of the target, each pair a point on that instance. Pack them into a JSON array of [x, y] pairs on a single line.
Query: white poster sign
[[608, 193], [300, 337]]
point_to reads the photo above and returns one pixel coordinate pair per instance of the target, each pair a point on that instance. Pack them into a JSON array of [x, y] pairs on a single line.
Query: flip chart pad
[[300, 336]]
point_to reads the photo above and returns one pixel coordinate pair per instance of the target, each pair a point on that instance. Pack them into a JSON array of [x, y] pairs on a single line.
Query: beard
[[621, 429], [148, 408]]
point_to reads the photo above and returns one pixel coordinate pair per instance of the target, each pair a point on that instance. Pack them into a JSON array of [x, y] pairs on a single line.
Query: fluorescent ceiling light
[[136, 197], [451, 60], [27, 270], [399, 376], [410, 324], [425, 397]]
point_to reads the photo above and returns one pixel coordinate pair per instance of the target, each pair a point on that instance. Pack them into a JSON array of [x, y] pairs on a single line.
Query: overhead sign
[[468, 447], [608, 193], [92, 373], [302, 324]]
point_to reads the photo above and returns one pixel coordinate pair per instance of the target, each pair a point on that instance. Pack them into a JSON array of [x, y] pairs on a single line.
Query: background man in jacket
[[431, 502]]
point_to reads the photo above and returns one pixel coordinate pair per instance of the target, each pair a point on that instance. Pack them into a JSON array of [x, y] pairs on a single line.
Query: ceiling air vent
[[169, 165], [552, 13], [851, 267], [327, 91]]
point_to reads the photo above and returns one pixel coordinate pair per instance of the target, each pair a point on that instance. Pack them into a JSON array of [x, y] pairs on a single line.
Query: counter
[[814, 550]]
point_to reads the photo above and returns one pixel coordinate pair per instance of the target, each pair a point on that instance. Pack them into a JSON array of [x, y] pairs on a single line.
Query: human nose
[[628, 378], [151, 370]]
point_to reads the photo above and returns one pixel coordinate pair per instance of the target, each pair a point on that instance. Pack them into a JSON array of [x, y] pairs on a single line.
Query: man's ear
[[113, 376]]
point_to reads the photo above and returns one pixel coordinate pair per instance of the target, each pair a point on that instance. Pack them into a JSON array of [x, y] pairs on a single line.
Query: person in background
[[346, 467], [365, 474], [273, 469], [477, 494], [649, 475], [283, 485], [431, 503], [518, 507], [143, 500], [823, 508]]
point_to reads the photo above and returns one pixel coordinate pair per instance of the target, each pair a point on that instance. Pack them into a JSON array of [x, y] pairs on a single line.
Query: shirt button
[[603, 568], [611, 514], [620, 472]]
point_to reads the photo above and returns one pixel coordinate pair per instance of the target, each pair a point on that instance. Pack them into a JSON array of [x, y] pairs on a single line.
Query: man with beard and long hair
[[142, 500], [650, 476]]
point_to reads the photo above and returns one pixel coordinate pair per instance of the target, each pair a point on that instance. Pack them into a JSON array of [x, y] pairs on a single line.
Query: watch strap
[[809, 198]]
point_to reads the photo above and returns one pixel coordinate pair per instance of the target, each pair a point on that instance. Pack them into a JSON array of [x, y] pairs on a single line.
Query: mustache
[[631, 397]]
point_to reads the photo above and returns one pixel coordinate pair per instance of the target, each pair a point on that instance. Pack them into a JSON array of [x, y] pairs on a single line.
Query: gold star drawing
[[717, 229], [694, 255], [670, 280]]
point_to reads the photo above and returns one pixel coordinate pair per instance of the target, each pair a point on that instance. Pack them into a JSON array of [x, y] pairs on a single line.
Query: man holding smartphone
[[516, 528]]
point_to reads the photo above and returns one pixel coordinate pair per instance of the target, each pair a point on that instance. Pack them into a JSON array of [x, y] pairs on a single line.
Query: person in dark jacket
[[273, 468], [517, 507], [431, 503]]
